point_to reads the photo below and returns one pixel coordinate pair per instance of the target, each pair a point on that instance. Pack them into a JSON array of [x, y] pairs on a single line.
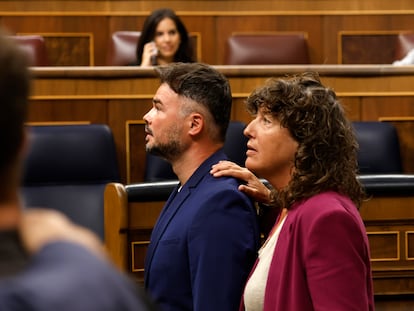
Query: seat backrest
[[123, 46], [122, 49], [67, 168], [379, 148], [35, 48], [235, 146], [267, 48]]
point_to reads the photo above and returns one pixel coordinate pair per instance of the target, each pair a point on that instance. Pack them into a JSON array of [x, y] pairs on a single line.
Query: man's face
[[164, 124]]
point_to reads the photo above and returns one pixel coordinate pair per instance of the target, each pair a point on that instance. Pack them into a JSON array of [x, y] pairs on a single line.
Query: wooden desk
[[389, 221], [120, 96]]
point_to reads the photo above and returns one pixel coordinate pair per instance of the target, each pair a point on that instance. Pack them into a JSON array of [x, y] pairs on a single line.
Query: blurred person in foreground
[[46, 262], [316, 257], [164, 39], [206, 238]]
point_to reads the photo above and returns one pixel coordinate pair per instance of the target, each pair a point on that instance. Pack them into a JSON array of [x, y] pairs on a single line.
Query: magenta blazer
[[322, 260]]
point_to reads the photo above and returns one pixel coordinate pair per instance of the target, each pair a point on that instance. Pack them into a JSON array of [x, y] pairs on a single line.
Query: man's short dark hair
[[204, 85]]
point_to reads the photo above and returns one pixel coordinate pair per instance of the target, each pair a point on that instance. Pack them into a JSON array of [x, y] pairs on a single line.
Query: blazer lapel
[[171, 207], [173, 204]]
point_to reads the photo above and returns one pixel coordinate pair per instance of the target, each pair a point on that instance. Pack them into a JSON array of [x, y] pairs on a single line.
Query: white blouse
[[256, 285]]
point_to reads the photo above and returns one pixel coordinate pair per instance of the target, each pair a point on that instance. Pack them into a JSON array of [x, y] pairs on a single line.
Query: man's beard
[[168, 151]]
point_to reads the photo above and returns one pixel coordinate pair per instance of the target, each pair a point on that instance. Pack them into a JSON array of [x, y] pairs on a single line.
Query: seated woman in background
[[164, 39]]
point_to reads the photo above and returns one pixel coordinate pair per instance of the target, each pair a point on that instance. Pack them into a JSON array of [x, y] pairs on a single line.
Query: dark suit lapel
[[171, 207], [174, 202]]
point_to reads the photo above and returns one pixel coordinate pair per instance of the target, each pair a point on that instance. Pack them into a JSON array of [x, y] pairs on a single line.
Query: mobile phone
[[154, 60], [154, 56]]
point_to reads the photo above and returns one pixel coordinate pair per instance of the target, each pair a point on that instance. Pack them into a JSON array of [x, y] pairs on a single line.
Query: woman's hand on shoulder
[[251, 185]]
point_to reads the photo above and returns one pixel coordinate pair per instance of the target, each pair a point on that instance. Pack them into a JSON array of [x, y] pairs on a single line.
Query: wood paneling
[[226, 25], [362, 47], [214, 20], [120, 96], [389, 222], [71, 40], [70, 49], [91, 110], [217, 6]]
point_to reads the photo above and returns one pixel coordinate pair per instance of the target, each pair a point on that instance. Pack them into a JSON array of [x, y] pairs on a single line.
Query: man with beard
[[206, 238]]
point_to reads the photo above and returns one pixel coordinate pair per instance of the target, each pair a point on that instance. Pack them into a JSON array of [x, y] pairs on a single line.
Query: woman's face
[[270, 149], [167, 39]]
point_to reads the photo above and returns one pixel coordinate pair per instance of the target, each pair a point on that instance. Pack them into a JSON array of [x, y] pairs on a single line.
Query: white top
[[256, 285]]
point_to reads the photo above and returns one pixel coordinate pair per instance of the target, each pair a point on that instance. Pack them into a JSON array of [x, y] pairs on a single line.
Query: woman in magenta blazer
[[316, 256]]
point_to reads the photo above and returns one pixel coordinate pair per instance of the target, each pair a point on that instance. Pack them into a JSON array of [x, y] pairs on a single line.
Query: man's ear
[[197, 123]]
